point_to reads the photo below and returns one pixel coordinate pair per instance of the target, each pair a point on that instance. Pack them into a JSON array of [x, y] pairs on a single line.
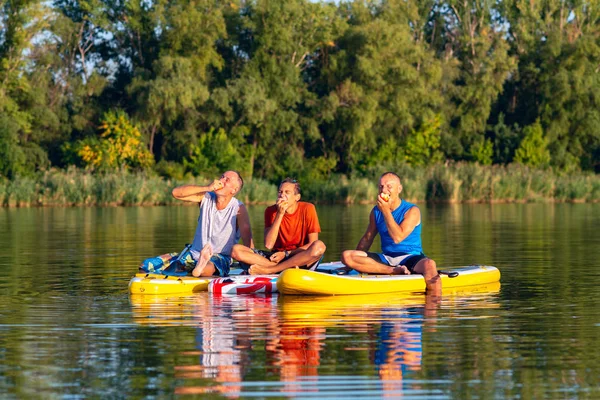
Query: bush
[[443, 185], [440, 182], [258, 191]]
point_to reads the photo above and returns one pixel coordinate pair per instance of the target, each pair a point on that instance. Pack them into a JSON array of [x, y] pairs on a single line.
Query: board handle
[[451, 274]]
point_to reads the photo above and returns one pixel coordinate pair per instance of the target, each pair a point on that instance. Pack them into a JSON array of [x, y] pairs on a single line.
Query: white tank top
[[217, 227]]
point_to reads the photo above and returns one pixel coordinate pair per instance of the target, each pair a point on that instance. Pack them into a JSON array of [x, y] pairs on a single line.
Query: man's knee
[[429, 267], [347, 257], [237, 250], [317, 249]]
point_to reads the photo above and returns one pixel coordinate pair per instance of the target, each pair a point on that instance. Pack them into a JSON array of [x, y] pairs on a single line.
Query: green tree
[[172, 88], [215, 153], [476, 38], [422, 146], [382, 82], [269, 102], [118, 147], [21, 22], [533, 150], [557, 77], [505, 141]]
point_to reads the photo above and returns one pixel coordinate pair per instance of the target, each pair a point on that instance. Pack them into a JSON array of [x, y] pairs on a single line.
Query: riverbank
[[452, 183]]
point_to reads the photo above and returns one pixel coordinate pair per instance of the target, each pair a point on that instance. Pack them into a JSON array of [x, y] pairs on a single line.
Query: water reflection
[[303, 346], [68, 327]]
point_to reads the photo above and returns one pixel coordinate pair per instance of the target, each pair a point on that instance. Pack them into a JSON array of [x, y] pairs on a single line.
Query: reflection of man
[[291, 232], [220, 351], [297, 353], [399, 350]]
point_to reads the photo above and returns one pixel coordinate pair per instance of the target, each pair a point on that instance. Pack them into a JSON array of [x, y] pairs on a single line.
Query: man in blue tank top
[[398, 223]]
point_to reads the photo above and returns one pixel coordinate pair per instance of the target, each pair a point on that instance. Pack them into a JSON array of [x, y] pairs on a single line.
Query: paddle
[[451, 274]]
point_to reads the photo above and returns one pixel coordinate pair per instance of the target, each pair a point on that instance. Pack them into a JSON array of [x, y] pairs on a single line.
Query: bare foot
[[258, 270], [400, 270], [205, 256]]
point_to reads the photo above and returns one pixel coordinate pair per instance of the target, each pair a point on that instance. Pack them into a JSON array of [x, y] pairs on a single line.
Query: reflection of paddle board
[[298, 281], [364, 308], [244, 284], [161, 284]]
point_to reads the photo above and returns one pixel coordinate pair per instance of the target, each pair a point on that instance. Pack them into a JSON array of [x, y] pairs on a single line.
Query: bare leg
[[359, 260], [305, 257], [433, 282], [246, 255], [204, 258]]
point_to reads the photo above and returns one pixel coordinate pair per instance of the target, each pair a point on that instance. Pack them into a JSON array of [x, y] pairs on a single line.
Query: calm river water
[[69, 328]]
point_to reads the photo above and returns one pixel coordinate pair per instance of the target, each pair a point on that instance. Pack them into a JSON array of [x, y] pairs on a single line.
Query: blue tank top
[[412, 244]]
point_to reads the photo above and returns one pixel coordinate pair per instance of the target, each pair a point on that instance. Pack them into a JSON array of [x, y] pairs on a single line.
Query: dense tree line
[[274, 88]]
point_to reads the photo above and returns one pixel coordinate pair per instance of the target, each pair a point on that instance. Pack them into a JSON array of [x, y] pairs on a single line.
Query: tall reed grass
[[452, 182], [75, 187]]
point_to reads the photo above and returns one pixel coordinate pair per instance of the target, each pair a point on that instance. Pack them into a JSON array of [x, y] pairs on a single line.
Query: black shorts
[[267, 254], [407, 260]]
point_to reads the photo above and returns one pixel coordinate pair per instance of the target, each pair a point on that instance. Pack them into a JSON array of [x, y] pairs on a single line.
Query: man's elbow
[[397, 239]]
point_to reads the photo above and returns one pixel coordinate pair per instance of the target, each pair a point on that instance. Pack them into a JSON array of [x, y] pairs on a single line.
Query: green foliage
[[170, 170], [319, 169], [12, 158], [506, 141], [475, 181], [422, 146], [451, 182], [258, 191], [302, 88], [482, 151], [533, 150], [443, 185], [477, 40], [575, 188], [215, 153], [341, 190], [118, 147]]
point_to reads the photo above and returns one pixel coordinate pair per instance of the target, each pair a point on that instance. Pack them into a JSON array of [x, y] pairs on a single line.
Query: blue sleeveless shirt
[[411, 244]]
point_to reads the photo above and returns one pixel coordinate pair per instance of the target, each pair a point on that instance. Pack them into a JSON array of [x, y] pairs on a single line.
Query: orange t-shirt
[[294, 228]]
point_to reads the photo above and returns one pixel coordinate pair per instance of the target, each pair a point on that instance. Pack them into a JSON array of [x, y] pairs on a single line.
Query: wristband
[[287, 253]]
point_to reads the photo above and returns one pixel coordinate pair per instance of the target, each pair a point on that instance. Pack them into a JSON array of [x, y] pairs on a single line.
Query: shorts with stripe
[[393, 260]]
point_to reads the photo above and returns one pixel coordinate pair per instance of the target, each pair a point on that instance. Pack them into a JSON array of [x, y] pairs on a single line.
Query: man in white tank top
[[223, 220]]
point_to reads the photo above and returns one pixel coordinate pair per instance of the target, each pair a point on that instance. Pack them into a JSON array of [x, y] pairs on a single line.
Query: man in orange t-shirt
[[291, 233]]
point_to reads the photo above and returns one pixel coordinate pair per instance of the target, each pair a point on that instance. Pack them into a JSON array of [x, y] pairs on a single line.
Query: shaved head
[[390, 174]]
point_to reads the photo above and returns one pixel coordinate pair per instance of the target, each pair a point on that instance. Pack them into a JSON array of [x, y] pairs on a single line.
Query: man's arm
[[312, 237], [272, 232], [400, 232], [195, 193], [364, 244], [243, 220], [312, 222]]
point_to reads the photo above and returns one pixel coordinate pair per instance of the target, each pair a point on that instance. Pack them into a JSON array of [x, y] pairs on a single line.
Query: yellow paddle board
[[304, 282], [161, 284]]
